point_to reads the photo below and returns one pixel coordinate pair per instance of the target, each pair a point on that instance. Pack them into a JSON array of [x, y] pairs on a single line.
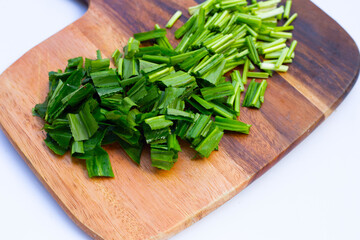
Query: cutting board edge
[[335, 104], [346, 92]]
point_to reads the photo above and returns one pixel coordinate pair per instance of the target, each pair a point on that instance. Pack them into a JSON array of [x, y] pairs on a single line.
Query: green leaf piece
[[61, 137], [175, 114], [98, 163], [170, 95], [96, 65], [55, 105], [220, 91], [195, 129], [209, 143], [178, 80], [162, 159], [54, 146], [77, 147], [144, 36], [83, 125], [255, 94], [232, 125], [131, 48], [158, 122], [130, 67]]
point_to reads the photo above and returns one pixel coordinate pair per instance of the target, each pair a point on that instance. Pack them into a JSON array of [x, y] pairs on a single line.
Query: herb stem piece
[[173, 19], [287, 9]]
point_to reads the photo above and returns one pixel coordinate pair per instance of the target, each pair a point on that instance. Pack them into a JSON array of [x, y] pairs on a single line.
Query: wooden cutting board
[[145, 203]]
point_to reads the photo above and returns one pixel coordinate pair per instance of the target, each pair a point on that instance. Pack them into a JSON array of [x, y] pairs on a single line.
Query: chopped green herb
[[175, 114], [255, 94], [156, 93], [131, 48], [209, 144], [271, 66], [144, 36], [232, 125], [238, 87], [178, 79], [54, 146], [257, 75], [290, 20], [163, 41], [292, 49], [195, 129], [83, 125], [98, 163], [158, 122], [287, 9], [173, 19], [282, 57], [220, 91], [77, 147], [252, 49]]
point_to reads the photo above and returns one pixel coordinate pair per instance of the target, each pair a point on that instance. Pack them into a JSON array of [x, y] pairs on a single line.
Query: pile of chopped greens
[[158, 94]]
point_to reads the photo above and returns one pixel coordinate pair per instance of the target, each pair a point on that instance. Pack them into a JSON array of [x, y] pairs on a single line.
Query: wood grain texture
[[145, 203]]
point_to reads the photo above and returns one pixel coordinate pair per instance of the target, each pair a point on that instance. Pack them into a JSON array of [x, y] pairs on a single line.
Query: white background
[[313, 193]]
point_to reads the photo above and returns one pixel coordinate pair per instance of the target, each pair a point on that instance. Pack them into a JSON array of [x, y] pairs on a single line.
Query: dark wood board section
[[142, 202]]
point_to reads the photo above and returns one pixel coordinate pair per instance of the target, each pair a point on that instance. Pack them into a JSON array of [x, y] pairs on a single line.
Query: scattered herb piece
[[173, 19]]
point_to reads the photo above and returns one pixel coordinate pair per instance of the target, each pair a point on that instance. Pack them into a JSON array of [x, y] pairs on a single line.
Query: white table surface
[[312, 193]]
